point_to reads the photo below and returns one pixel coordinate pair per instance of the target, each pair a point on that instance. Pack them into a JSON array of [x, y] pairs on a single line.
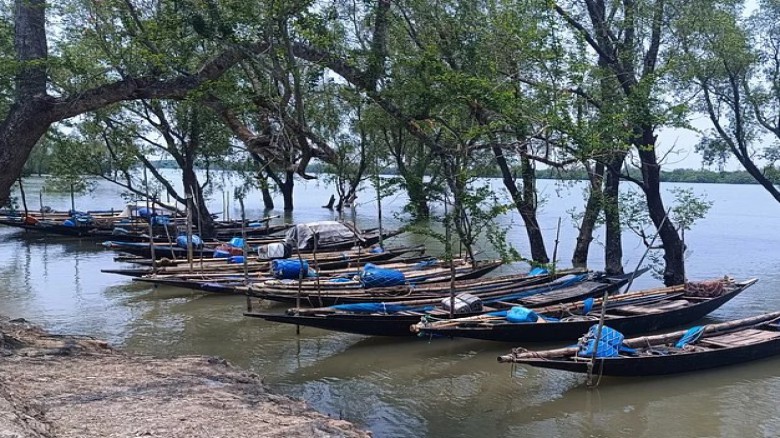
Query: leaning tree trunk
[[525, 202], [674, 270], [613, 250], [579, 258]]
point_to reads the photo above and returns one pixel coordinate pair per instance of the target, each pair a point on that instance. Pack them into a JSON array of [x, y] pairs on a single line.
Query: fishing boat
[[395, 319], [698, 348], [394, 294], [629, 313], [231, 266], [364, 239], [421, 275]]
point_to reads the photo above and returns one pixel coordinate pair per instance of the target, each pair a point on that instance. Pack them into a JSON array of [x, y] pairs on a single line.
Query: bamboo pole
[[73, 200], [151, 227], [40, 200], [378, 199], [300, 279], [24, 198], [555, 248], [189, 230], [316, 265], [244, 251], [448, 255]]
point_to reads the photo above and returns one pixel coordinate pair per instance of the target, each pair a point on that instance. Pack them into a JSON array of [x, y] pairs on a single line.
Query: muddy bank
[[68, 386]]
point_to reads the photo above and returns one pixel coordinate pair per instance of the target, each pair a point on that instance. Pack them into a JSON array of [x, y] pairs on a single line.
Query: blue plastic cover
[[145, 212], [609, 345], [68, 223], [520, 314], [426, 264], [587, 306], [538, 271], [236, 242], [219, 254], [373, 276], [236, 259], [289, 269], [161, 220], [692, 335], [254, 225], [196, 241]]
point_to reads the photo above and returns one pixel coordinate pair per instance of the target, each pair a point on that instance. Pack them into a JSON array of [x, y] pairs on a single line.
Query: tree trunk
[[18, 135], [27, 120], [579, 258], [674, 271], [287, 190], [415, 190], [525, 202], [201, 215], [268, 200], [613, 250]]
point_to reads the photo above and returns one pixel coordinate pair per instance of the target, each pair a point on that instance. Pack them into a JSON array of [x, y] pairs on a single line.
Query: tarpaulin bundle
[[519, 314], [290, 269], [373, 276], [196, 241]]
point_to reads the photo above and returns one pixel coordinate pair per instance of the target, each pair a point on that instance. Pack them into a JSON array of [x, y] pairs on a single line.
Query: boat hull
[[572, 330]]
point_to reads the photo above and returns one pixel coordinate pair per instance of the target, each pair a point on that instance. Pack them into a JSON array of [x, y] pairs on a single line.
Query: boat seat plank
[[743, 337]]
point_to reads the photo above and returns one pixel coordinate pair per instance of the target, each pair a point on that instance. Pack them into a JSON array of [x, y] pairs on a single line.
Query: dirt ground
[[68, 386]]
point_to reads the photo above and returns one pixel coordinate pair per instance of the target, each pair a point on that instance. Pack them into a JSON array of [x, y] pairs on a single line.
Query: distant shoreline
[[692, 176]]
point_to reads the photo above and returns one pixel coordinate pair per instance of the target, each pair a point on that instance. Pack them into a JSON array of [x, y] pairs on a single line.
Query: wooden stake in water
[[40, 200], [300, 279], [150, 219], [244, 248], [73, 200], [555, 248], [448, 255], [316, 237], [24, 198], [378, 201], [189, 230]]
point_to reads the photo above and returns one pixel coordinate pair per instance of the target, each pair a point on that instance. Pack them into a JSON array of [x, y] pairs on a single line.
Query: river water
[[414, 387]]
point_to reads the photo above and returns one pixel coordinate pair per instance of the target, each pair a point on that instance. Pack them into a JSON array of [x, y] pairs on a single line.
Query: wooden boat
[[165, 250], [629, 313], [395, 319], [327, 261], [353, 291], [717, 345], [237, 285], [492, 285]]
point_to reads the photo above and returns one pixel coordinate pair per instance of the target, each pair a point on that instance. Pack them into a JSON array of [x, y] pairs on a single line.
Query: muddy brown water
[[419, 387]]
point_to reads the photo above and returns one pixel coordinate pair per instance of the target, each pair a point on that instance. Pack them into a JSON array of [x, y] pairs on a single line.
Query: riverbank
[[71, 386]]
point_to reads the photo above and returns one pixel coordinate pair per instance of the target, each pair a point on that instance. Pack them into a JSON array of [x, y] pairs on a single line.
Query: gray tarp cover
[[329, 232]]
